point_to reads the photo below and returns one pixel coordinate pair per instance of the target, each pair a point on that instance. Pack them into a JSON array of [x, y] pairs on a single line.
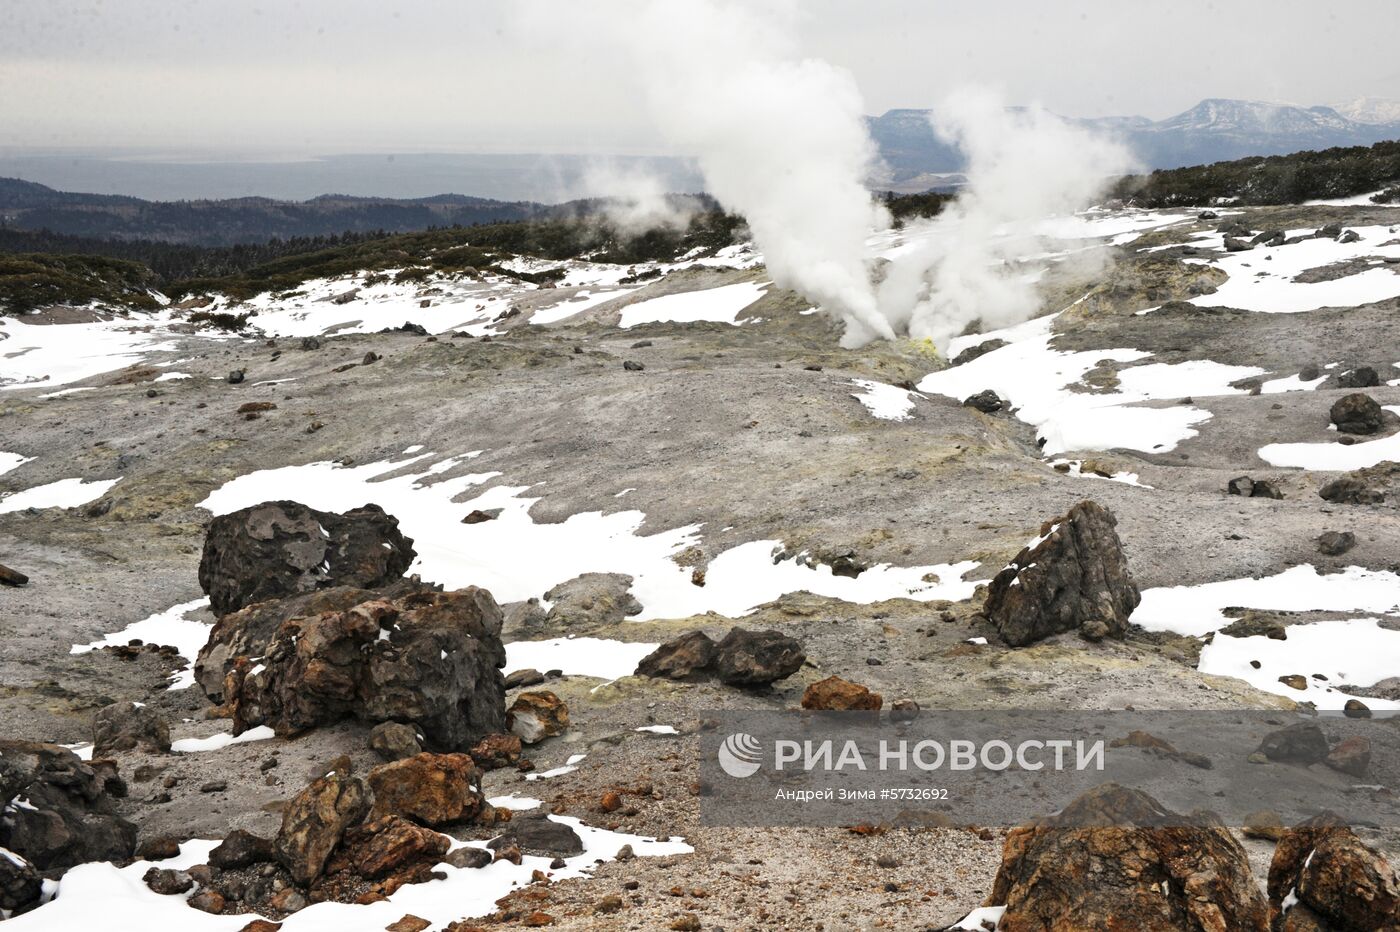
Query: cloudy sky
[[508, 76]]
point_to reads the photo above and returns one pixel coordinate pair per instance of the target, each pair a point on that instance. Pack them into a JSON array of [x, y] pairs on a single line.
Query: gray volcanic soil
[[724, 427]]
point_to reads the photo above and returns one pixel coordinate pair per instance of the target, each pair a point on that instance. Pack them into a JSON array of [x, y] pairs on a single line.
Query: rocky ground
[[753, 432]]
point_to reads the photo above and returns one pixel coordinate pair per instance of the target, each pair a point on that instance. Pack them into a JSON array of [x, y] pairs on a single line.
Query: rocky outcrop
[[20, 883], [430, 659], [1323, 877], [1116, 859], [315, 820], [679, 658], [834, 694], [593, 600], [278, 549], [59, 810], [756, 658], [1357, 413], [741, 658], [384, 846], [535, 716], [433, 789], [1074, 576], [1369, 486], [124, 726]]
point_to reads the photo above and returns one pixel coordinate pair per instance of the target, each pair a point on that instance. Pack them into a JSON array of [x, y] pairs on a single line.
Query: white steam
[[1024, 167], [636, 200], [780, 140]]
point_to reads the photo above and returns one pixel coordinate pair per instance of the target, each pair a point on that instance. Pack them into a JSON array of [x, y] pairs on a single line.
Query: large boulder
[[535, 716], [1074, 576], [1115, 859], [1357, 413], [20, 884], [593, 600], [278, 549], [1323, 877], [387, 845], [315, 820], [125, 726], [534, 833], [679, 658], [433, 789], [59, 810], [248, 631], [430, 659], [756, 658], [834, 694]]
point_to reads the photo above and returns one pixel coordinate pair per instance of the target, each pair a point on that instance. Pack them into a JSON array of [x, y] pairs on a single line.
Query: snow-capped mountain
[[1214, 130]]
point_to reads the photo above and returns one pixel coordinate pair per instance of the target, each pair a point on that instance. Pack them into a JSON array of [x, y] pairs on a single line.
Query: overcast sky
[[418, 75]]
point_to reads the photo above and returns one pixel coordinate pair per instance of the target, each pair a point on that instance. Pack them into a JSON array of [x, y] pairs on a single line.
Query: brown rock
[[538, 918], [384, 846], [11, 577], [1294, 681], [1115, 859], [158, 849], [496, 751], [1351, 756], [125, 726], [679, 658], [535, 716], [611, 801], [1263, 823], [315, 821], [208, 901], [756, 658], [409, 923], [686, 923], [608, 904], [261, 925], [434, 789], [1339, 882], [1075, 577], [167, 882], [1355, 708], [834, 694], [240, 849]]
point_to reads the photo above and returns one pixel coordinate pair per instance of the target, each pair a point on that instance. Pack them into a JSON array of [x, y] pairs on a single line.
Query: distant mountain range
[[1214, 130], [29, 206]]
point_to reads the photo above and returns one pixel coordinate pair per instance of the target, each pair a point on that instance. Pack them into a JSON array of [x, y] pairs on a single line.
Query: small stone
[[687, 923], [611, 801], [168, 882], [608, 904], [158, 849], [1335, 543], [539, 918], [1355, 708], [1294, 681], [409, 923], [987, 401], [235, 377], [631, 366], [1264, 823], [11, 577], [624, 853], [208, 901], [887, 861], [1351, 756], [903, 711], [213, 786], [835, 694], [310, 343], [518, 679], [395, 740]]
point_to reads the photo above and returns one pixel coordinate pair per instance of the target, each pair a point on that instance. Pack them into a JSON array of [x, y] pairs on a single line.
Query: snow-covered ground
[[65, 493], [721, 304], [1325, 456]]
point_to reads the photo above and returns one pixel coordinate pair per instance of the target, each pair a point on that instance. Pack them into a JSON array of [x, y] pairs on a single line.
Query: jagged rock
[[241, 848], [537, 835], [1303, 743], [469, 857], [247, 632], [59, 810], [278, 549], [387, 845], [1116, 859], [834, 694], [1351, 756], [429, 658], [11, 577], [1237, 245], [1357, 413], [394, 740], [1352, 489], [756, 658], [592, 600], [1334, 880], [315, 820], [124, 726], [679, 657], [20, 884], [1350, 236], [167, 882], [1335, 543], [1074, 576], [987, 401], [1360, 377], [434, 789], [535, 716], [496, 751]]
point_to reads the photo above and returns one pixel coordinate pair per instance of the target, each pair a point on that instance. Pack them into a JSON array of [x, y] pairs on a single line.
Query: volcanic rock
[[518, 679], [1302, 743], [988, 402], [433, 789], [429, 658], [1116, 859], [11, 577], [834, 694], [1333, 879], [241, 848], [167, 882], [277, 549], [1360, 377], [756, 658], [394, 740], [537, 835], [123, 726], [535, 716], [1335, 543], [1357, 413], [387, 845], [59, 810], [1351, 756], [679, 657], [315, 820], [592, 600], [1075, 575], [20, 884], [496, 751]]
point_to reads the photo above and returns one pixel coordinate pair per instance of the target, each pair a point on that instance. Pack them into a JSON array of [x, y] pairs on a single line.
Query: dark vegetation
[[74, 270], [25, 205], [904, 207], [1274, 179]]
